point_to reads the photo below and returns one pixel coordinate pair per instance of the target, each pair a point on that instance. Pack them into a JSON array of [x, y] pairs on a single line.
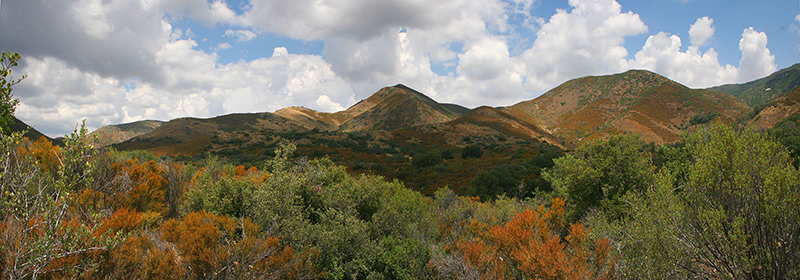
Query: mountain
[[190, 136], [636, 101], [506, 124], [113, 134], [31, 133], [777, 109], [393, 108], [759, 92], [311, 119]]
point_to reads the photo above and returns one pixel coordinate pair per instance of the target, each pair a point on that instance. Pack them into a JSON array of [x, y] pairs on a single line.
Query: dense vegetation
[[722, 204]]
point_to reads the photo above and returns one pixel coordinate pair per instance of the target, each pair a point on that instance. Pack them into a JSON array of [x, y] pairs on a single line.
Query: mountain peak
[[395, 107], [638, 101]]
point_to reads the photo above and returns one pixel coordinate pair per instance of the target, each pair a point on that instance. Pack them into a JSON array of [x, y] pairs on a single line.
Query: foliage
[[472, 151], [38, 233], [500, 180], [787, 132], [8, 103], [530, 245], [702, 118], [426, 160], [599, 173], [745, 206], [735, 216]]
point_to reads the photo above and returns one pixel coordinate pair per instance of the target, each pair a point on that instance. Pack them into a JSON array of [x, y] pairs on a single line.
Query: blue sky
[[117, 61]]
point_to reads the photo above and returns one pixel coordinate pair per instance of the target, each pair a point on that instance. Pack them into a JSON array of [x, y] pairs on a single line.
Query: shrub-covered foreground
[[724, 204], [76, 212]]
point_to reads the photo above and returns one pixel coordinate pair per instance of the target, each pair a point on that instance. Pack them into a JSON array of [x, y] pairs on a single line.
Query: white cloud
[[223, 46], [326, 104], [662, 54], [701, 31], [486, 59], [585, 40], [756, 61], [120, 61], [279, 51], [144, 68], [362, 19], [241, 35]]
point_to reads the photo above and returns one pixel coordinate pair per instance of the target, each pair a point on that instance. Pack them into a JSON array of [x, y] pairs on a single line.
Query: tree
[[472, 151], [425, 160], [599, 173], [734, 214], [8, 104], [38, 234], [743, 205], [501, 180]]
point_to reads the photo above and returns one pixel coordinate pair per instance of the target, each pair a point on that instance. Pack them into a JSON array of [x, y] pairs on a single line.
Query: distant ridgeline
[[384, 133]]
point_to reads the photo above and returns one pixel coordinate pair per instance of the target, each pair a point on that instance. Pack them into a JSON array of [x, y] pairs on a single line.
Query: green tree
[[426, 160], [600, 172], [743, 205], [735, 214], [501, 180], [8, 103], [787, 132], [472, 151]]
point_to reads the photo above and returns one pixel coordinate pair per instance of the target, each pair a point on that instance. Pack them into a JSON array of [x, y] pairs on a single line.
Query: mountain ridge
[[760, 91], [636, 101]]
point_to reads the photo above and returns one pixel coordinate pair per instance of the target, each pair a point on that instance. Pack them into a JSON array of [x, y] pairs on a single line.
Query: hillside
[[761, 91], [311, 119], [636, 101], [393, 108], [506, 124], [190, 136], [113, 134], [30, 132], [777, 109]]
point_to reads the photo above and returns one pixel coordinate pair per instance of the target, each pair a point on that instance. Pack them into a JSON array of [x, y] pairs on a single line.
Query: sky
[[119, 61]]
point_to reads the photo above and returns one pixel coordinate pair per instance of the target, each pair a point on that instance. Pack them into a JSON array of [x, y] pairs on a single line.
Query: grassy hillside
[[113, 134], [31, 133], [393, 108], [636, 101], [777, 109], [759, 92]]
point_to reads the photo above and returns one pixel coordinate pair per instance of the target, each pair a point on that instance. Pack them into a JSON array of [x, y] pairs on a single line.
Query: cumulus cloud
[[223, 46], [120, 61], [701, 31], [328, 105], [585, 40], [361, 19], [662, 54], [195, 87], [136, 66], [241, 35], [756, 61]]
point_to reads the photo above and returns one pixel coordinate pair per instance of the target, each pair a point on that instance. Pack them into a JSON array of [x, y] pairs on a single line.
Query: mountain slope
[[777, 109], [311, 119], [761, 91], [113, 134], [393, 108], [636, 101], [507, 124], [190, 136], [31, 133]]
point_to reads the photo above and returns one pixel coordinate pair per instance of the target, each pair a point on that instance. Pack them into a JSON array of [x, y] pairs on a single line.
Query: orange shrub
[[530, 246]]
